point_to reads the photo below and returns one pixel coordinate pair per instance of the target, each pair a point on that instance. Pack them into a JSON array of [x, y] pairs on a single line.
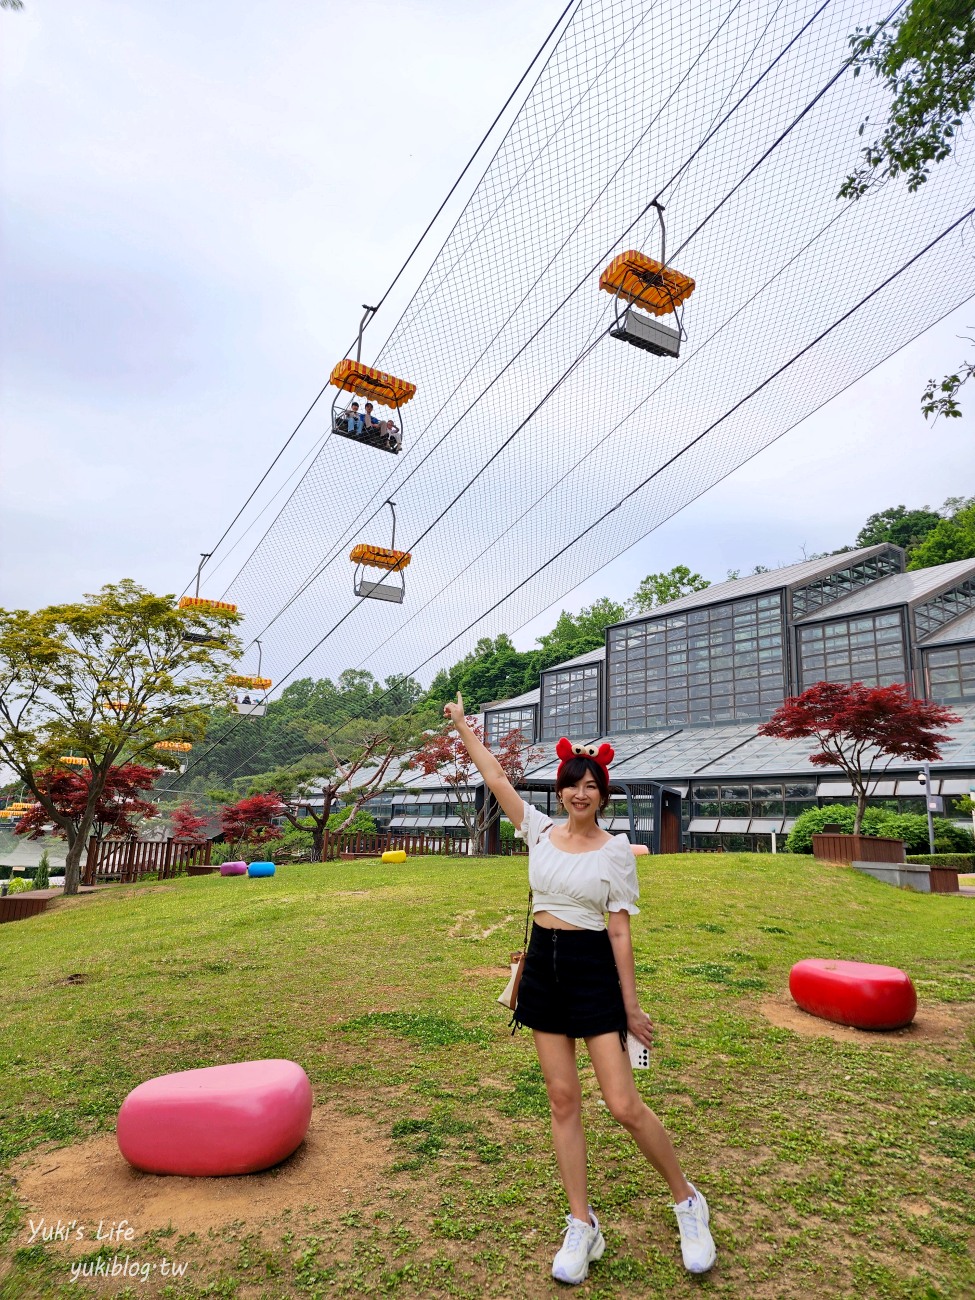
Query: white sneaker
[[583, 1243], [696, 1243]]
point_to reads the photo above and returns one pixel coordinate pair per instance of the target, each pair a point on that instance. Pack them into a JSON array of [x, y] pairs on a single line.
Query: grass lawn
[[834, 1166]]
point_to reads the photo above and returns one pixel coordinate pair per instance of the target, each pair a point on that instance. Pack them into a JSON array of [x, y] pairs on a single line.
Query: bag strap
[[528, 918]]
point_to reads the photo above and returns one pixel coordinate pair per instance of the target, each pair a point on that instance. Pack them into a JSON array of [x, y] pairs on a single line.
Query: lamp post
[[924, 777]]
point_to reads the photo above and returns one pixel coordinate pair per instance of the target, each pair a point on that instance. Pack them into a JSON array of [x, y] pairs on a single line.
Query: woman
[[579, 982]]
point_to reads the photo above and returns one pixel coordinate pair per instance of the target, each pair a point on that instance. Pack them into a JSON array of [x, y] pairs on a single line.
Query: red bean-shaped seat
[[224, 1119], [854, 993]]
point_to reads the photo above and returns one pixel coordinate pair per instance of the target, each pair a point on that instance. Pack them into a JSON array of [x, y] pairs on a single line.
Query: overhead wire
[[769, 379], [713, 130], [684, 450], [361, 522], [572, 5]]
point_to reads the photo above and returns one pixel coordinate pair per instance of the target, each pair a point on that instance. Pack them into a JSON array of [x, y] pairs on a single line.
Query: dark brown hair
[[574, 769]]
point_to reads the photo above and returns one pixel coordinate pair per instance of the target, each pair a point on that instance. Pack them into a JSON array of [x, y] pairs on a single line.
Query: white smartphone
[[639, 1053]]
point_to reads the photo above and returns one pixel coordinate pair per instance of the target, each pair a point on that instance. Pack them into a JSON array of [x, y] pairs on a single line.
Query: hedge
[[962, 861]]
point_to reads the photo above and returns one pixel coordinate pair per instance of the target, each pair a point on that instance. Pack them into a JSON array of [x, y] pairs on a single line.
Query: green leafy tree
[[366, 758], [576, 634], [951, 539], [285, 735], [897, 524], [658, 589], [42, 876], [493, 670], [926, 58], [941, 395], [105, 679]]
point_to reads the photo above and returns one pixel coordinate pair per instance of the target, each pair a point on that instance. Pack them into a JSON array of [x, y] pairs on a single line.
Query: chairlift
[[377, 388], [204, 606], [173, 746], [636, 280], [389, 559], [72, 760], [240, 681]]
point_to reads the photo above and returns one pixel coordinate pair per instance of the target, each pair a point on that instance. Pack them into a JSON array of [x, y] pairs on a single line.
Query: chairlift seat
[[368, 437], [647, 334], [379, 591], [256, 710]]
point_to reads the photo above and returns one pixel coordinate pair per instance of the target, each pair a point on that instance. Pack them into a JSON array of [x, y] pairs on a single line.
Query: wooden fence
[[123, 861], [360, 844]]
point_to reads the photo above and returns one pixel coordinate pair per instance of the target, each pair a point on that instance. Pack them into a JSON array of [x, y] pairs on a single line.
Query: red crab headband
[[566, 750]]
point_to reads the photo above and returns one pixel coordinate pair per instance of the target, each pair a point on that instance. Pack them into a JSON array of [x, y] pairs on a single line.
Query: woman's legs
[[615, 1077], [557, 1057]]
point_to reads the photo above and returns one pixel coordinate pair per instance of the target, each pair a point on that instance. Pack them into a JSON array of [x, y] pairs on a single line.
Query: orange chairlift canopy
[[379, 557], [366, 381], [72, 760], [250, 683], [646, 283], [200, 603]]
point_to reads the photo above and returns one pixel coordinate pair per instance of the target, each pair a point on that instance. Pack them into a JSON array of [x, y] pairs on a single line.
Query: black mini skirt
[[570, 985]]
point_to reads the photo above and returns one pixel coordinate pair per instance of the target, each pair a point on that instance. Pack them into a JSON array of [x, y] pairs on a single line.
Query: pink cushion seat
[[233, 869], [855, 993], [224, 1119]]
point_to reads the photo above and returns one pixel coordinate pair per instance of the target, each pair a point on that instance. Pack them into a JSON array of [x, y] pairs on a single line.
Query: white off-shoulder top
[[578, 888]]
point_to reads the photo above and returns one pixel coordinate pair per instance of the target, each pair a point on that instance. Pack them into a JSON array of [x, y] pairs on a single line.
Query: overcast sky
[[197, 198]]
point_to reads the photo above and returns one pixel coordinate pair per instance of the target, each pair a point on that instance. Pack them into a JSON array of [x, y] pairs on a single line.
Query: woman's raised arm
[[512, 804]]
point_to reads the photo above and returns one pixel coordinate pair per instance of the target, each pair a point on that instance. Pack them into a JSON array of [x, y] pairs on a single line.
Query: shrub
[[912, 828], [18, 884], [362, 821], [42, 876], [964, 862], [812, 821]]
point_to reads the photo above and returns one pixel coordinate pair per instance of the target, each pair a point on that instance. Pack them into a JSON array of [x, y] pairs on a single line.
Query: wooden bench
[[17, 907]]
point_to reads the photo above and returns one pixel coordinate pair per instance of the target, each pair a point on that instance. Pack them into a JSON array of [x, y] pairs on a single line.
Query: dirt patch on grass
[[340, 1160], [935, 1025]]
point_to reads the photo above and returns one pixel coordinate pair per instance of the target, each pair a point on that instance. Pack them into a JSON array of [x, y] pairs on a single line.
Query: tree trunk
[[72, 865], [861, 797]]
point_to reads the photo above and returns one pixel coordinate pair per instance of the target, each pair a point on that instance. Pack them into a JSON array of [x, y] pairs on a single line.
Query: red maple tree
[[249, 821], [187, 824], [857, 725], [117, 811], [444, 753]]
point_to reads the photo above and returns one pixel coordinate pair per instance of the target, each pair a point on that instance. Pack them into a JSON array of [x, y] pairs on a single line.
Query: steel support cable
[[676, 176], [765, 155], [758, 388], [530, 165], [219, 740], [359, 522], [783, 135], [262, 479], [623, 420], [310, 457], [573, 4]]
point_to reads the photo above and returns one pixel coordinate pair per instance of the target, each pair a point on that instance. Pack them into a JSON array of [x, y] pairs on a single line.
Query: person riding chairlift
[[354, 421]]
